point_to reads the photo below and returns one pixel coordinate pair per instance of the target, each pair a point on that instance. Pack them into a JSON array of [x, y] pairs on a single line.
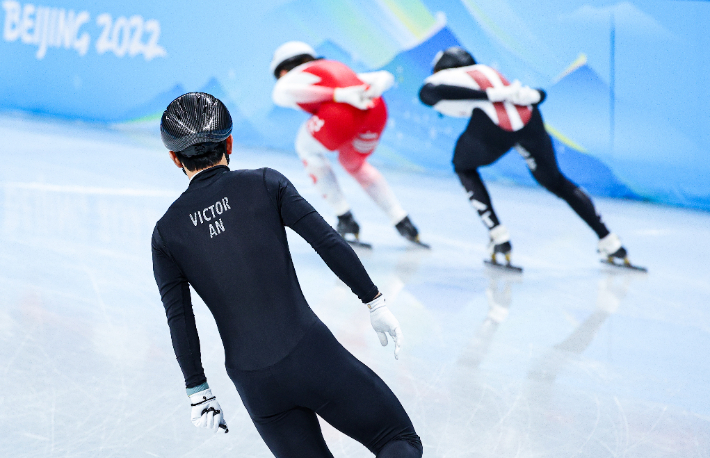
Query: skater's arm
[[337, 254], [378, 82], [175, 294], [431, 94], [298, 88], [300, 216]]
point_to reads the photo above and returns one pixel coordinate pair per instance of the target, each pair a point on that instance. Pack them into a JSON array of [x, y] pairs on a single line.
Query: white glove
[[525, 96], [384, 322], [502, 93], [378, 82], [206, 412], [353, 95]]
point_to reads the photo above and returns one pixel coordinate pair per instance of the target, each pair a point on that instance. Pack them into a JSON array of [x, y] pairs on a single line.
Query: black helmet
[[194, 118], [451, 58]]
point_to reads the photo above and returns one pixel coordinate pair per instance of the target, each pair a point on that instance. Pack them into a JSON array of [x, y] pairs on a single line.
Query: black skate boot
[[349, 229], [409, 231], [348, 225]]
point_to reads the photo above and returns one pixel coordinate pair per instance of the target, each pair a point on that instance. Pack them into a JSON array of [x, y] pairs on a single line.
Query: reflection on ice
[[611, 290], [499, 296]]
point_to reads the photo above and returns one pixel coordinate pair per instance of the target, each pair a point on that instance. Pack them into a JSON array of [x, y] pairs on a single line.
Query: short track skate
[[349, 229], [493, 262], [354, 241], [417, 242], [622, 263], [407, 230]]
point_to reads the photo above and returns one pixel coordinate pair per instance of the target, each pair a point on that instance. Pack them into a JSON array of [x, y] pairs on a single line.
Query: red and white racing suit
[[334, 126], [504, 114]]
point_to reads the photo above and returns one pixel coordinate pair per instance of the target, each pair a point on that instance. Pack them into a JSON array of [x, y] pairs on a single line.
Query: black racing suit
[[483, 142], [226, 236]]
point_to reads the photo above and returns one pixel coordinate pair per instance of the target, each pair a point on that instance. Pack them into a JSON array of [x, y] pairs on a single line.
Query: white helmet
[[288, 50]]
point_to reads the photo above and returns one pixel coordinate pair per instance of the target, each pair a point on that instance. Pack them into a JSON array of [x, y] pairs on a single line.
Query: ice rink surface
[[569, 359]]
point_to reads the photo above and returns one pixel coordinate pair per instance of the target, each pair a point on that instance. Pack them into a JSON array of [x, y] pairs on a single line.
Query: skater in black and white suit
[[226, 237], [503, 116]]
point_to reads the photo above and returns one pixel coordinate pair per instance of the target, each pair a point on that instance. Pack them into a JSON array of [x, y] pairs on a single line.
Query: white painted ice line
[[91, 190]]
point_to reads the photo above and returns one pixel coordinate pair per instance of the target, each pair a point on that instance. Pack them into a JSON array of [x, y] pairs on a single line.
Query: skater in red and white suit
[[348, 117]]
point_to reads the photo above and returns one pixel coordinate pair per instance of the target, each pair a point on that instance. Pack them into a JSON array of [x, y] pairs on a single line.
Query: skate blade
[[421, 244], [507, 267], [624, 264], [357, 243]]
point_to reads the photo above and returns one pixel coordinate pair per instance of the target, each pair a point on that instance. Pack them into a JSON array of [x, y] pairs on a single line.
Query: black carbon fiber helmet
[[194, 118], [452, 57]]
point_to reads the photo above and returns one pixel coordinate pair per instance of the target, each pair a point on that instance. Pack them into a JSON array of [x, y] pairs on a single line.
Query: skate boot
[[614, 253], [409, 231], [348, 225], [499, 243], [610, 247]]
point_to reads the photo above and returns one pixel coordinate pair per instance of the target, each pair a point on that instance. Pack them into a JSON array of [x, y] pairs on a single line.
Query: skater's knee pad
[[406, 445]]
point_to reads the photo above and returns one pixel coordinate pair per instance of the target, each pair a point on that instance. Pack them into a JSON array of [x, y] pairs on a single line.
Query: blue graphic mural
[[626, 82]]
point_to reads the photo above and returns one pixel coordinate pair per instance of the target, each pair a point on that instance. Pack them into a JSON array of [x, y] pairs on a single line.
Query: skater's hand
[[502, 93], [525, 96], [354, 95], [378, 82], [206, 412], [384, 322]]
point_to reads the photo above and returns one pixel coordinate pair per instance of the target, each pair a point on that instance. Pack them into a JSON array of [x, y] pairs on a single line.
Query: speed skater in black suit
[[503, 116], [226, 237]]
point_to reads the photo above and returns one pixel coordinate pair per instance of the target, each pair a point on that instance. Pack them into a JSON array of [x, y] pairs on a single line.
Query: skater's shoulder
[[262, 173], [266, 176], [449, 75], [455, 75], [273, 179]]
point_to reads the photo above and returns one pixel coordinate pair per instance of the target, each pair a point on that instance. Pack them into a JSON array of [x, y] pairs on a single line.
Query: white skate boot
[[614, 253], [500, 243], [610, 247]]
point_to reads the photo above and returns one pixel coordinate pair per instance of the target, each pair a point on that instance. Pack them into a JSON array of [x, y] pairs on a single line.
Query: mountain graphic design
[[243, 131], [148, 114], [578, 105], [153, 109], [331, 51]]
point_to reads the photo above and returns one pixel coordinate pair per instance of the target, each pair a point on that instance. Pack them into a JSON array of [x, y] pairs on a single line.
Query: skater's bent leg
[[543, 166], [350, 396], [478, 196], [292, 434], [312, 154], [479, 145], [402, 448], [372, 181], [369, 412]]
